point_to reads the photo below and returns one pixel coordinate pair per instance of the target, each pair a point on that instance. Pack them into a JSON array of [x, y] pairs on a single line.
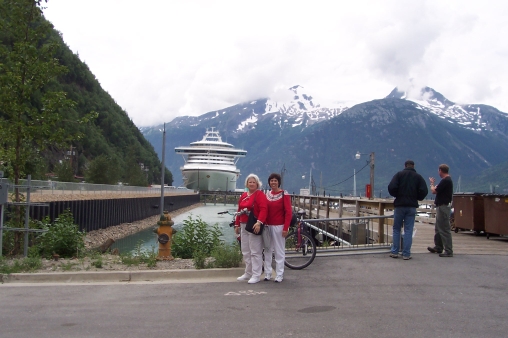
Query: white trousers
[[277, 247], [252, 251]]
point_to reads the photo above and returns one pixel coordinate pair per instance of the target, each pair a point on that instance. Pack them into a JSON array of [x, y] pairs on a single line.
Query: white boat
[[210, 164]]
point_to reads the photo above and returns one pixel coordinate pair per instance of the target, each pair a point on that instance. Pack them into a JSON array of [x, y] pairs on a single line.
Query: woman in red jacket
[[277, 221], [252, 244]]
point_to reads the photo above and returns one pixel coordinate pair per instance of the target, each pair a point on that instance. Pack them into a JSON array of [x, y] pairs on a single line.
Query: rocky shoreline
[[96, 238]]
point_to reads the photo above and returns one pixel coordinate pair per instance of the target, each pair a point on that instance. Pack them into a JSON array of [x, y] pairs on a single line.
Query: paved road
[[348, 296]]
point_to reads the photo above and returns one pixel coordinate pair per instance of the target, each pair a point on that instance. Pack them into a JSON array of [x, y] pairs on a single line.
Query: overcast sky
[[163, 58]]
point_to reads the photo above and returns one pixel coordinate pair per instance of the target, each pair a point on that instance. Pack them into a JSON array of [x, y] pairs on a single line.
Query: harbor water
[[146, 240]]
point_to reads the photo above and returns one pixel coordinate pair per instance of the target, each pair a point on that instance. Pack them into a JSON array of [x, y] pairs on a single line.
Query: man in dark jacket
[[408, 187]]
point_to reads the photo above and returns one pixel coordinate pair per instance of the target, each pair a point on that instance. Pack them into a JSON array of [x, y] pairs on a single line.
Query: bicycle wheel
[[299, 256]]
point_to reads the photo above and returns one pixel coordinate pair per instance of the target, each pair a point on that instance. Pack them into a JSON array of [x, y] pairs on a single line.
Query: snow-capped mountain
[[475, 117], [296, 108], [300, 108], [292, 109], [294, 131]]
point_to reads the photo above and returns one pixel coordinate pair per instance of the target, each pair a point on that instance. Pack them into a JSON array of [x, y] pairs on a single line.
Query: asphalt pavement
[[346, 296]]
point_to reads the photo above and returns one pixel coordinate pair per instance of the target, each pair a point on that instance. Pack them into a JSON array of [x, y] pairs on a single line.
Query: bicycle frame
[[300, 246]]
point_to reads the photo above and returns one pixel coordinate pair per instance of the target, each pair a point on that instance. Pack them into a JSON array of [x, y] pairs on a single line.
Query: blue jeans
[[404, 215]]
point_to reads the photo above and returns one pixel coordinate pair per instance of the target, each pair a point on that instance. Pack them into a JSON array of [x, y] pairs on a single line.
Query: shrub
[[227, 256], [199, 259], [140, 256], [195, 237], [62, 237]]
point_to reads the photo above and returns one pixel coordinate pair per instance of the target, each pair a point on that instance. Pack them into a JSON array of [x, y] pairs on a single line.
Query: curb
[[204, 275]]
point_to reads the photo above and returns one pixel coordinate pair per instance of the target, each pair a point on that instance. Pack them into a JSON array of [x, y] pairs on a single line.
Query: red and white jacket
[[246, 201], [279, 209]]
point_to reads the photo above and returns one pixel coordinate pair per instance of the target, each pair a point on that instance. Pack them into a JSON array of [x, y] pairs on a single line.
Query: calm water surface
[[147, 239]]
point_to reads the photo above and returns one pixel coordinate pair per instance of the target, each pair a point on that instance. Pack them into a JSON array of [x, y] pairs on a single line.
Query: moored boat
[[210, 164]]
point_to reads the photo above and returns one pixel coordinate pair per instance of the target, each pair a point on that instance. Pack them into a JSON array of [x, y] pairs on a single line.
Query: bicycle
[[232, 223], [300, 248]]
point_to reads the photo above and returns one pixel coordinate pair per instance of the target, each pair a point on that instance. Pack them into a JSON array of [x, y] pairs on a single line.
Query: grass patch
[[140, 256], [27, 264], [226, 256]]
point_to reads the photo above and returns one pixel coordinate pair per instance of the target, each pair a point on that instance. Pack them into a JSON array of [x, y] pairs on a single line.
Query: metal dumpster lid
[[496, 195]]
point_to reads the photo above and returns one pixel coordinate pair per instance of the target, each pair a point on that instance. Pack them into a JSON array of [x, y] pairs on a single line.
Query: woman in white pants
[[252, 244], [277, 226]]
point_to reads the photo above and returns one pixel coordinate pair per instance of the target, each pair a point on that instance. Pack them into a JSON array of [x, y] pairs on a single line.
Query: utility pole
[[163, 169], [372, 175], [310, 182], [282, 171]]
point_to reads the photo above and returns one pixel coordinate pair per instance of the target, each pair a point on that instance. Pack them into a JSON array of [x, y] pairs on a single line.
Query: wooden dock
[[464, 242]]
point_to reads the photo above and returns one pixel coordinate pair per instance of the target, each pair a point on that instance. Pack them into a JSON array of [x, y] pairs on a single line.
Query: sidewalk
[[464, 243], [176, 276]]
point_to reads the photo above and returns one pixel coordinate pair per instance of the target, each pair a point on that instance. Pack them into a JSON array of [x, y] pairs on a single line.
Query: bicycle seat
[[301, 213]]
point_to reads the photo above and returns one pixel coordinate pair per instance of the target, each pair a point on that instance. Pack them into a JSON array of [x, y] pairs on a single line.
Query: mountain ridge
[[471, 138]]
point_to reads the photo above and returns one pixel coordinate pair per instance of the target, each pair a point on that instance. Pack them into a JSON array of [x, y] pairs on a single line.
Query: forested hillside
[[107, 149]]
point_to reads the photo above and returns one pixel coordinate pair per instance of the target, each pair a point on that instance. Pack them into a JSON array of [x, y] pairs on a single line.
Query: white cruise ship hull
[[210, 164], [210, 179]]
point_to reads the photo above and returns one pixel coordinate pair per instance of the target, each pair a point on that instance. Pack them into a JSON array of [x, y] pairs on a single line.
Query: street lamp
[[163, 167], [371, 164]]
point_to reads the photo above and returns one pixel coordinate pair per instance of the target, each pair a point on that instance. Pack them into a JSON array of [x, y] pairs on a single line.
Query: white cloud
[[163, 58]]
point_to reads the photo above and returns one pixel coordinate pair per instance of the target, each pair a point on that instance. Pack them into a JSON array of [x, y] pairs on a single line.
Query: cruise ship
[[210, 164]]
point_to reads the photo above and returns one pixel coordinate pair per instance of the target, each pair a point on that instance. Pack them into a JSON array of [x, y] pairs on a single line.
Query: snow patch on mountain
[[299, 104], [253, 119], [468, 116]]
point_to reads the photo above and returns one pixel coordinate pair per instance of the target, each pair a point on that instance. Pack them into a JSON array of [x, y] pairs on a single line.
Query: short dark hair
[[409, 163], [276, 176], [444, 168]]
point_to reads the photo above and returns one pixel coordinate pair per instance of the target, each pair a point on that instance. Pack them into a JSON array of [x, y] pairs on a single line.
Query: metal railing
[[69, 188], [334, 235], [220, 198]]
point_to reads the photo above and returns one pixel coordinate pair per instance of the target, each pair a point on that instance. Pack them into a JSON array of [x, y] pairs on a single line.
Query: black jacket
[[408, 187]]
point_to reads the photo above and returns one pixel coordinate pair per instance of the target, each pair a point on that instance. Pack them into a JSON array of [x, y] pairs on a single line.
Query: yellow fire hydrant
[[165, 234]]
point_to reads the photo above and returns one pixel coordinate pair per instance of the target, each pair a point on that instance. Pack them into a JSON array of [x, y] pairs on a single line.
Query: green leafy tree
[[64, 172], [134, 174], [30, 115], [168, 177], [103, 170], [30, 112]]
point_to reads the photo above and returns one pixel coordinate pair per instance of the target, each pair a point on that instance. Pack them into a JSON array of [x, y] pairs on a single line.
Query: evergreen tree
[[134, 174], [103, 170]]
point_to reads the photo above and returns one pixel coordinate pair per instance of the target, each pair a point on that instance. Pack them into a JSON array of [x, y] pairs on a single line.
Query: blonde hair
[[254, 177]]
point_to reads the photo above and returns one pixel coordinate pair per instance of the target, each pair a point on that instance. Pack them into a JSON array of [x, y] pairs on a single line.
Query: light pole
[[310, 181], [162, 169], [313, 187], [371, 164], [282, 171]]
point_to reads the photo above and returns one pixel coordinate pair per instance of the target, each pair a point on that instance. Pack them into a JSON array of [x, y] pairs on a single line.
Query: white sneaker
[[278, 279], [243, 277], [268, 277], [253, 280]]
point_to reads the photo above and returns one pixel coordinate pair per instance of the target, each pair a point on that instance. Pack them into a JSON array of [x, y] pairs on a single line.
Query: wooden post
[[381, 223], [318, 207], [310, 206]]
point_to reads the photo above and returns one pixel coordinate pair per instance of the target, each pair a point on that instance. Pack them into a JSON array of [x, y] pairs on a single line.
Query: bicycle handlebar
[[244, 211]]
